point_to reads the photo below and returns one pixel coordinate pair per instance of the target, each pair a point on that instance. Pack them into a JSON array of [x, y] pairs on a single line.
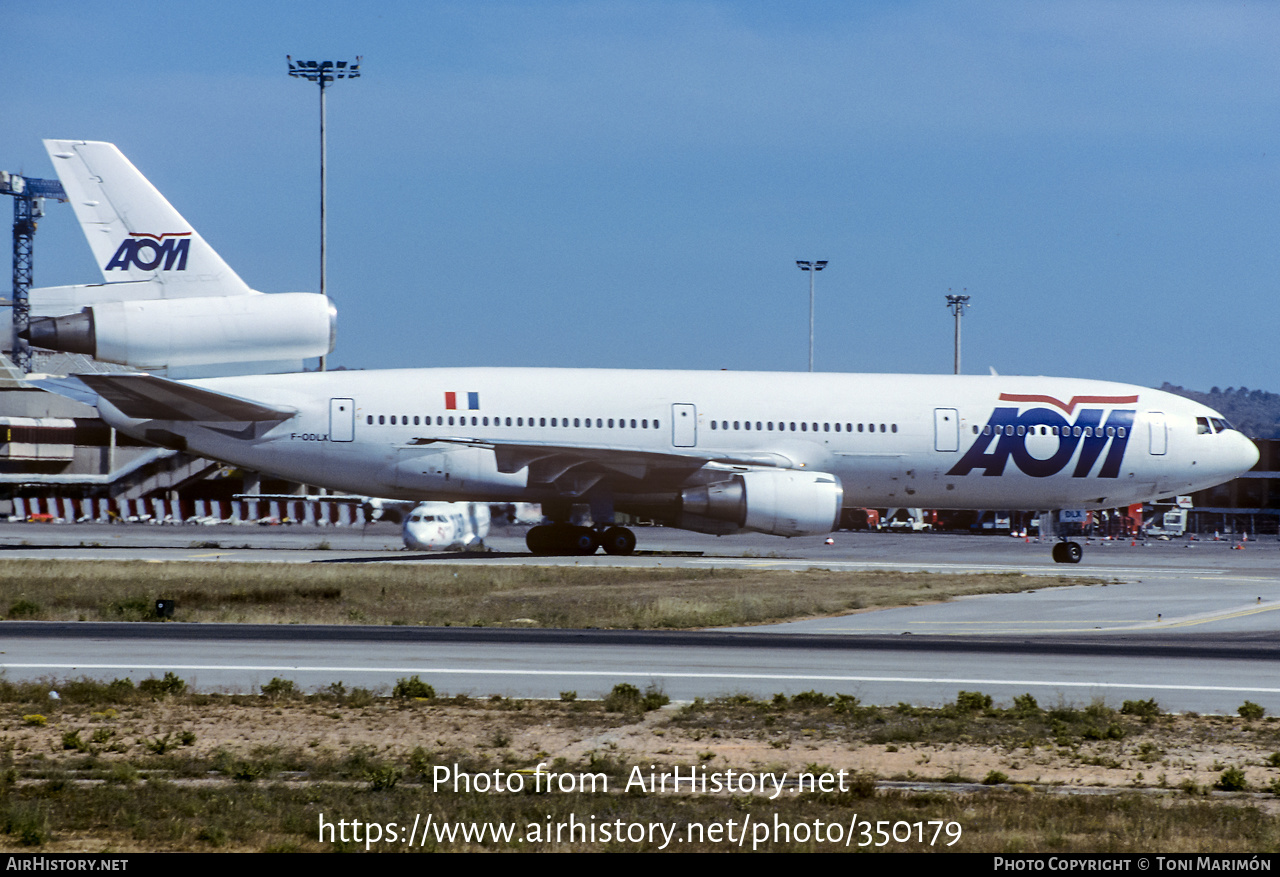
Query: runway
[[1196, 628]]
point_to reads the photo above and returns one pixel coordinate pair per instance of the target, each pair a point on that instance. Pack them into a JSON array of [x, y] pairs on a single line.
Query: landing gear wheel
[[618, 541], [547, 540], [541, 540], [581, 541], [1067, 552]]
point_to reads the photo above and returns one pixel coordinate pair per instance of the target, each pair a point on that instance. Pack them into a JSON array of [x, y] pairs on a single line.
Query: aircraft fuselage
[[539, 435]]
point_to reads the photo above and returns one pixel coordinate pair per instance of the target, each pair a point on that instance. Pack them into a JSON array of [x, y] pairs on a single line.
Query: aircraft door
[[684, 425], [342, 420], [1159, 432], [946, 429]]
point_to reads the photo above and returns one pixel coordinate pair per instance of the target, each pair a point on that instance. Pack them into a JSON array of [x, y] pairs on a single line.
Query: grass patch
[[431, 594], [264, 768]]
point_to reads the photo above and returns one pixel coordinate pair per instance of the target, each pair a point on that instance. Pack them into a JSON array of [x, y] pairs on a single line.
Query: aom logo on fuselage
[[147, 251], [1042, 442]]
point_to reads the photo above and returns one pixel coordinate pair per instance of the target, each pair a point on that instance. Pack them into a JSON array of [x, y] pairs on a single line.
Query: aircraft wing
[[548, 461], [147, 397]]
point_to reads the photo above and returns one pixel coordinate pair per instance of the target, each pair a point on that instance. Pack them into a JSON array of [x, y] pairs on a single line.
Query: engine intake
[[781, 502]]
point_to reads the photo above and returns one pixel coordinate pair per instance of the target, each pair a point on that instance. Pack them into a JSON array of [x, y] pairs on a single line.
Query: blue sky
[[621, 184]]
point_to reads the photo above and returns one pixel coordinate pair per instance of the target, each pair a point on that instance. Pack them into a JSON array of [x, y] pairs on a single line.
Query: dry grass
[[475, 595], [192, 771]]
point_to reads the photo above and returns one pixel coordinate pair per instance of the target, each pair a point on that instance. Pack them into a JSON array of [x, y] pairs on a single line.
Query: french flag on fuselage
[[451, 401]]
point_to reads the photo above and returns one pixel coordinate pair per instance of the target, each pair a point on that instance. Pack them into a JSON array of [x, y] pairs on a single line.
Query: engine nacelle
[[782, 502], [161, 333]]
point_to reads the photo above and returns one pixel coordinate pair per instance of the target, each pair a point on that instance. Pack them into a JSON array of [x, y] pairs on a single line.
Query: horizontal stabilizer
[[146, 397]]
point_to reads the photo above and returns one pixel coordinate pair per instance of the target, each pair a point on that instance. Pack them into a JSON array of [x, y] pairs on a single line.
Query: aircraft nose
[[1244, 453]]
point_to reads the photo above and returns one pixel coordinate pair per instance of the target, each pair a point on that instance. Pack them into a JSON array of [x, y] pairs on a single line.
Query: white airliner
[[424, 526], [716, 452], [446, 526]]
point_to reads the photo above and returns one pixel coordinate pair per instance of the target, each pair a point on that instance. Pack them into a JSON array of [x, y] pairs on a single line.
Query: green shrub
[[654, 698], [812, 699], [413, 687], [1145, 709], [624, 697], [973, 701], [157, 688], [1025, 705], [25, 609], [1251, 710], [1231, 780], [279, 689]]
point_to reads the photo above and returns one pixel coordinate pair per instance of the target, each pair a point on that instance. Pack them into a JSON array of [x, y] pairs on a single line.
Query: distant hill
[[1256, 413]]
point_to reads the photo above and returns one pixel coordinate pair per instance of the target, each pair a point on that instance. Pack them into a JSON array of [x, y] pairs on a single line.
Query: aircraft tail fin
[[134, 232]]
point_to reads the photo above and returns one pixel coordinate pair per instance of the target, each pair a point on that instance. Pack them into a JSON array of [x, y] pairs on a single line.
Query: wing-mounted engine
[[781, 502]]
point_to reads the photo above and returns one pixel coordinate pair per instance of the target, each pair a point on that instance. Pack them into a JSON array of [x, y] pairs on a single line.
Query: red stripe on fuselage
[[1068, 407]]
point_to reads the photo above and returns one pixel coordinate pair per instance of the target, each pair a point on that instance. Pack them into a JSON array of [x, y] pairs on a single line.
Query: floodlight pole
[[322, 73], [813, 268], [956, 304]]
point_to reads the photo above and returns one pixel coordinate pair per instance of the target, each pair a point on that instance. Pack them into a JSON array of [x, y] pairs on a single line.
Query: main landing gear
[[1067, 552], [552, 539]]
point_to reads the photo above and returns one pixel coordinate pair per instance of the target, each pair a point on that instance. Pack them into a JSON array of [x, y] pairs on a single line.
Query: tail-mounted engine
[[159, 333]]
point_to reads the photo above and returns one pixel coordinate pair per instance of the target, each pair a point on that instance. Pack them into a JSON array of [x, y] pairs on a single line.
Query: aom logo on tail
[[148, 251], [1043, 442]]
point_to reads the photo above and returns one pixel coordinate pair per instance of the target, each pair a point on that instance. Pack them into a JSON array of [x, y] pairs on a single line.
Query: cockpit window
[[1220, 425], [1202, 426]]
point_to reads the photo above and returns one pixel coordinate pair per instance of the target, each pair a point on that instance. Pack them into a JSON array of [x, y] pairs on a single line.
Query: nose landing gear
[[1067, 552]]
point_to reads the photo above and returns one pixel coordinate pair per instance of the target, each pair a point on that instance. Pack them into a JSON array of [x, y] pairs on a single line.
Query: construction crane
[[28, 206]]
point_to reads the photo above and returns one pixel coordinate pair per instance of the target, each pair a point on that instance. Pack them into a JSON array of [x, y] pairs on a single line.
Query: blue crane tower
[[28, 206]]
